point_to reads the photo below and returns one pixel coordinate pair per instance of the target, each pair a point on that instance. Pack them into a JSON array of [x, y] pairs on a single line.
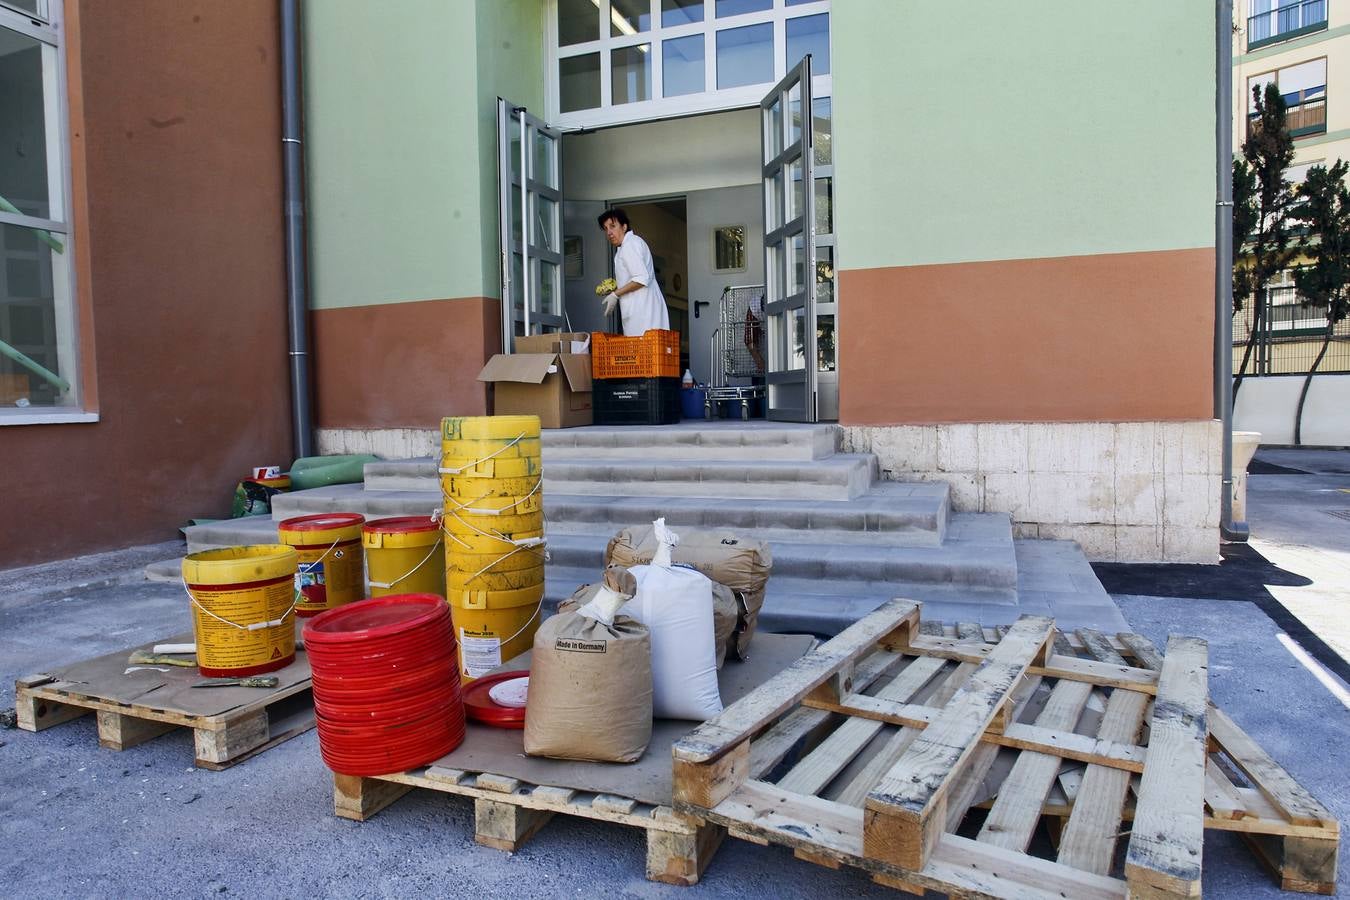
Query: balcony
[[1289, 21], [1302, 119]]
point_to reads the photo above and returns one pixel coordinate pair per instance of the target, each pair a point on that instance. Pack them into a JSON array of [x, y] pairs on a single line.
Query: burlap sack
[[740, 564], [590, 688], [726, 612]]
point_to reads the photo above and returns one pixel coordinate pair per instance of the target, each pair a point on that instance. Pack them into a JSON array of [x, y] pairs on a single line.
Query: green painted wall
[[392, 152], [1021, 130]]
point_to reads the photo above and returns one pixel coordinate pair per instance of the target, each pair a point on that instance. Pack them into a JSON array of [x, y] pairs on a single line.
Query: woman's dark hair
[[614, 213]]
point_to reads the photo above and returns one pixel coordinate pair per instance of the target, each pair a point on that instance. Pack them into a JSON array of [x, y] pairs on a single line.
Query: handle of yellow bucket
[[465, 507], [256, 626], [478, 462], [385, 585], [528, 544]]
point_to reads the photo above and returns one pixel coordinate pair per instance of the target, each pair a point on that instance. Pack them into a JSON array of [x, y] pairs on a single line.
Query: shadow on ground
[[1243, 575]]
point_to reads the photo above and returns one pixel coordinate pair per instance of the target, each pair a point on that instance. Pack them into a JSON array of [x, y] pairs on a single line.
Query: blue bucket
[[691, 402]]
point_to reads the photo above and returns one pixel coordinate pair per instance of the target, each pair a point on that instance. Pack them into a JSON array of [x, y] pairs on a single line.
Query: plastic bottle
[[688, 379]]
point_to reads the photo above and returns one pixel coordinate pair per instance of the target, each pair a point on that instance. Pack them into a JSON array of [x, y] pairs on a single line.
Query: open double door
[[799, 302]]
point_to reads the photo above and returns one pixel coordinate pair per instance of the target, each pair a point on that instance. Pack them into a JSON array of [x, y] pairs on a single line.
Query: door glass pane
[[32, 285], [630, 17], [773, 201], [516, 216], [550, 298], [545, 170], [579, 82], [729, 248], [822, 131], [23, 124], [796, 196], [631, 74], [824, 206], [517, 283], [796, 273], [740, 7], [809, 34], [745, 56], [773, 271], [682, 65], [825, 355], [773, 137], [796, 355], [824, 275], [681, 12], [578, 22], [545, 231], [794, 114], [513, 153]]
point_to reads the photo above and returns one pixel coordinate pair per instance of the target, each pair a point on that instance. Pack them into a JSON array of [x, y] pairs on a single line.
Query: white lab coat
[[646, 307]]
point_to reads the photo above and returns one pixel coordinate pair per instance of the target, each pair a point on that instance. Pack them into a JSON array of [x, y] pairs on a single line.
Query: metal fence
[[1290, 336]]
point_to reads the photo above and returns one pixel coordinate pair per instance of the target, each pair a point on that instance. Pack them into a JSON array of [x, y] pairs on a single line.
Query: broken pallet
[[875, 751], [509, 811], [229, 725]]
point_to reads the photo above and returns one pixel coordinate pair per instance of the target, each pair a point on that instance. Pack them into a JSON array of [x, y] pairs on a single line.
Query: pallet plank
[[1221, 795], [1166, 842], [680, 858], [120, 732], [904, 815], [358, 798], [505, 826]]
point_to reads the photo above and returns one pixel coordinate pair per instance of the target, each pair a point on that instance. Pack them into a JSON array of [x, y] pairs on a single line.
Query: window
[[1304, 89], [729, 248], [38, 357], [1281, 20], [617, 61]]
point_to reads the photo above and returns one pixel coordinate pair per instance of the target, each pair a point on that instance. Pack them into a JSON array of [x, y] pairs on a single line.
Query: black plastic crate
[[635, 401]]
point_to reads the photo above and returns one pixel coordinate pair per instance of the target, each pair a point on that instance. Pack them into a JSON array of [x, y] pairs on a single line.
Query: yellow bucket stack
[[494, 536]]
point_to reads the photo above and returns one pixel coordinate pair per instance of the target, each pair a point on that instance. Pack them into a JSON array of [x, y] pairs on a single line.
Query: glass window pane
[[682, 66], [822, 131], [796, 271], [729, 248], [579, 82], [825, 355], [550, 298], [794, 114], [798, 2], [631, 74], [23, 124], [824, 275], [544, 165], [824, 206], [34, 317], [629, 17], [545, 230], [681, 12], [578, 22], [809, 34], [796, 357], [773, 201], [515, 214], [517, 283], [773, 138], [745, 56], [796, 193], [740, 7]]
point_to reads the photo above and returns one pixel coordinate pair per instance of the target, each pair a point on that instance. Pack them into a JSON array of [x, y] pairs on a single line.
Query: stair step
[[694, 441]]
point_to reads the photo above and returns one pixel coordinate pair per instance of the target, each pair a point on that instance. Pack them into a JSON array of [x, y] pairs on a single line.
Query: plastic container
[[330, 573], [636, 401], [656, 354], [232, 589], [691, 402], [404, 555]]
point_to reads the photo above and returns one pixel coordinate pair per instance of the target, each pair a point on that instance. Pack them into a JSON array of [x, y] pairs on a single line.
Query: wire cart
[[737, 350]]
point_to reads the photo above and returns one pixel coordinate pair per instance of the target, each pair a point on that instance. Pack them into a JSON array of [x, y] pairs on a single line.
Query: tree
[[1262, 203], [1325, 280]]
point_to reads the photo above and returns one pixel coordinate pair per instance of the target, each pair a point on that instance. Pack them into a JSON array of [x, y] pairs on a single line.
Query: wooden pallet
[[875, 749], [508, 812], [229, 725]]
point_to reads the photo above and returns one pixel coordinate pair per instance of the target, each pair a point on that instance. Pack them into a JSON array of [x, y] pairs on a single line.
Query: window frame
[[745, 261], [658, 106], [51, 31]]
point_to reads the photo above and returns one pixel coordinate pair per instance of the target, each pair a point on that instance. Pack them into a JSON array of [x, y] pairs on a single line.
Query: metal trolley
[[737, 349]]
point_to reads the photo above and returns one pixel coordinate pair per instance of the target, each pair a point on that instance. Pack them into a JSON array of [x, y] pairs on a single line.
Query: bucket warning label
[[479, 655], [224, 640], [580, 646]]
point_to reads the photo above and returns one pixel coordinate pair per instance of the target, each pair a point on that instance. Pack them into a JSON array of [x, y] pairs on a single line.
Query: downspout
[[1223, 262], [297, 306]]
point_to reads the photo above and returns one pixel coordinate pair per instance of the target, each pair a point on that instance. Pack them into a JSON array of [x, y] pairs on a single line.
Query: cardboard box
[[556, 387], [559, 342]]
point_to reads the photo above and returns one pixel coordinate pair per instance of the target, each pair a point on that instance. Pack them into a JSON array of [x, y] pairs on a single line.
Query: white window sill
[[45, 416]]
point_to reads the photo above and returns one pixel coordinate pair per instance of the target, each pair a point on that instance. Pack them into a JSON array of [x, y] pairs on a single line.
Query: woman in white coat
[[641, 304]]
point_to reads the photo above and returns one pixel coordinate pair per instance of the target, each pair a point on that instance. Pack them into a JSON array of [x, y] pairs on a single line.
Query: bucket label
[[309, 583], [576, 645], [222, 645], [479, 655]]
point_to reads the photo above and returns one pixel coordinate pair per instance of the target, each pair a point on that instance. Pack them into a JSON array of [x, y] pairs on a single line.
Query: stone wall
[[1129, 491]]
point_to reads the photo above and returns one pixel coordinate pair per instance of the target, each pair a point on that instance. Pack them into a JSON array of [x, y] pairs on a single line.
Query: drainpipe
[[1223, 262], [297, 306]]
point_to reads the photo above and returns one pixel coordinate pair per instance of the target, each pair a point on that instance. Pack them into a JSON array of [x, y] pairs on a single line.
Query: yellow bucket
[[233, 589], [476, 504], [488, 428], [493, 543], [462, 489], [404, 555], [494, 581], [493, 627], [524, 448], [479, 467], [330, 559], [464, 525]]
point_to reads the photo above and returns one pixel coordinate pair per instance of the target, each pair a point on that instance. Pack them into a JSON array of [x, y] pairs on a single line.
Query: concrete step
[[693, 441], [838, 477]]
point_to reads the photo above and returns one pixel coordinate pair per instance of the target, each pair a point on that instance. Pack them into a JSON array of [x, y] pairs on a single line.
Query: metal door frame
[[519, 175]]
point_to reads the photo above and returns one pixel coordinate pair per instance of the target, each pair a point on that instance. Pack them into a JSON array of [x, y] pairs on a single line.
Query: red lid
[[482, 708], [375, 618], [322, 521], [402, 525]]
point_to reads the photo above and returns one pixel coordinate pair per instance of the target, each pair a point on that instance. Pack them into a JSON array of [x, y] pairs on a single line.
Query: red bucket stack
[[386, 684]]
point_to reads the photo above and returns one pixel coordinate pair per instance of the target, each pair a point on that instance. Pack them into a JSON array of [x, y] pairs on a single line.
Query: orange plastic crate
[[655, 354]]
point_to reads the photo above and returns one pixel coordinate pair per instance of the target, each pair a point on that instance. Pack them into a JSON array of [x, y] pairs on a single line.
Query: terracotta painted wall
[[179, 146], [1101, 338]]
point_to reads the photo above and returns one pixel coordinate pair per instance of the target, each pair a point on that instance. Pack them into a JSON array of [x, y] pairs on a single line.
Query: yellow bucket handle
[[464, 507], [528, 544], [385, 585], [478, 462], [256, 626]]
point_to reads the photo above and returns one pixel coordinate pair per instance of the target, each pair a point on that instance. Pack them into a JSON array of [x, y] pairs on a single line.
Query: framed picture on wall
[[574, 262]]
